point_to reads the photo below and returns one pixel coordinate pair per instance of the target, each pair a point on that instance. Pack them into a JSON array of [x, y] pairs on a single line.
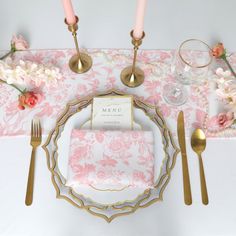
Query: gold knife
[[182, 144]]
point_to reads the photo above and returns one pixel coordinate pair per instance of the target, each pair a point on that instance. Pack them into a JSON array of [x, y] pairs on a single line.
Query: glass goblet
[[190, 65]]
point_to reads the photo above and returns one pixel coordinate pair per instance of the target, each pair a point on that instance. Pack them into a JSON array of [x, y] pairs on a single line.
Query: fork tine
[[37, 129], [40, 129], [38, 134], [32, 128]]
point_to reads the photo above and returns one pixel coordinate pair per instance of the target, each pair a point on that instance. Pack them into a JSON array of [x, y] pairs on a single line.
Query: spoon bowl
[[198, 141]]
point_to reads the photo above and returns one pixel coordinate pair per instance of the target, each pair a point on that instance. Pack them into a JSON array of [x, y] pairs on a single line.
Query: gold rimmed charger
[[110, 211]]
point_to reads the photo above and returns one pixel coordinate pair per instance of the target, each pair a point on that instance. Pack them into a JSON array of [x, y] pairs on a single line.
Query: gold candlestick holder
[[133, 76], [80, 62]]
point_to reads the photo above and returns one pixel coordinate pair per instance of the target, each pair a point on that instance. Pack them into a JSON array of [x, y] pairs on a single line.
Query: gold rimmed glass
[[192, 61], [190, 65]]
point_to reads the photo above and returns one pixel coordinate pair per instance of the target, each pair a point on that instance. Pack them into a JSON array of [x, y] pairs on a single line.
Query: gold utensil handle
[[30, 184], [186, 181], [203, 182]]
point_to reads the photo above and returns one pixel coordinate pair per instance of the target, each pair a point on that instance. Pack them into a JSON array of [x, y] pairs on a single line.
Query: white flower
[[221, 73], [226, 88], [27, 72]]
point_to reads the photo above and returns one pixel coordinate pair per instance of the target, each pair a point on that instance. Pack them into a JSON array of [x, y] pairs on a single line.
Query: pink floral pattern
[[111, 159], [105, 74]]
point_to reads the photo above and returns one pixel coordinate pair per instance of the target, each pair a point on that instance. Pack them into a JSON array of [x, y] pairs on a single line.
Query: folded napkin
[[111, 160]]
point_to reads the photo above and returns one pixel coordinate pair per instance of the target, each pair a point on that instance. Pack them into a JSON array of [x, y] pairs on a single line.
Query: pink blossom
[[218, 50], [225, 119], [29, 99], [19, 43]]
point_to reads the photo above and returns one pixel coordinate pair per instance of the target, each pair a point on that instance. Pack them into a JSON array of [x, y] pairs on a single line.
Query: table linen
[[52, 217], [104, 75], [111, 160]]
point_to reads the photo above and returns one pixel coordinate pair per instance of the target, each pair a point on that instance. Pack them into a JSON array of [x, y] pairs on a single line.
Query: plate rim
[[147, 193]]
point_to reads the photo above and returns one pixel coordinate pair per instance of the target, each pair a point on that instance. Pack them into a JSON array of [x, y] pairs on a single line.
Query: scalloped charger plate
[[109, 204]]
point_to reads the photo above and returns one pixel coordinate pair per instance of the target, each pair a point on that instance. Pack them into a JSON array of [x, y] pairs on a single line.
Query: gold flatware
[[198, 143], [182, 144], [36, 139]]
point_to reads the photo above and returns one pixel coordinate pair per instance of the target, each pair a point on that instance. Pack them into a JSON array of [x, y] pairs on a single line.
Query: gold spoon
[[198, 143]]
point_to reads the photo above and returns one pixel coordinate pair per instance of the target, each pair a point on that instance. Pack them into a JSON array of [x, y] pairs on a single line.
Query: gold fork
[[36, 139]]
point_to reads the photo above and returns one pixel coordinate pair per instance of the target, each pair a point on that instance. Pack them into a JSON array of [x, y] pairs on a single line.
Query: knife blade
[[182, 144]]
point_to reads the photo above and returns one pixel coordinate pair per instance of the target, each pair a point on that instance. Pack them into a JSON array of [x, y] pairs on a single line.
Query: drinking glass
[[190, 65]]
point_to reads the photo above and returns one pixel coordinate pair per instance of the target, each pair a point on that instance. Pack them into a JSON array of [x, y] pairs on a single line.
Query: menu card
[[112, 112]]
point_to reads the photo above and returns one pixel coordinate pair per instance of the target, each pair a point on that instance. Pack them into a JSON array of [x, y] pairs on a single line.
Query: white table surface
[[107, 23], [49, 216]]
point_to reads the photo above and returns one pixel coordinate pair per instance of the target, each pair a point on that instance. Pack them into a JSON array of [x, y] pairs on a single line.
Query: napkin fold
[[111, 160]]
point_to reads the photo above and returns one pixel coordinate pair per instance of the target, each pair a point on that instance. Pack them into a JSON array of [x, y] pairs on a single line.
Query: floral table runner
[[104, 75]]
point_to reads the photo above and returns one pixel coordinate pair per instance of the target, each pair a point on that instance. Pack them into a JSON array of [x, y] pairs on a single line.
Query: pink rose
[[19, 43], [29, 99], [218, 50], [225, 120]]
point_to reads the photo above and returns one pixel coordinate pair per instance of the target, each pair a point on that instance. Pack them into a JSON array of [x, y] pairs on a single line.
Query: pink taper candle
[[69, 12], [139, 21]]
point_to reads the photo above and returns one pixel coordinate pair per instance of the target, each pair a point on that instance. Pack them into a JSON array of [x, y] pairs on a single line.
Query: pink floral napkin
[[111, 160]]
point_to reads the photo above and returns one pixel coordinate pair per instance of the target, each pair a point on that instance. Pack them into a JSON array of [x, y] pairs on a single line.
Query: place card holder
[[112, 112]]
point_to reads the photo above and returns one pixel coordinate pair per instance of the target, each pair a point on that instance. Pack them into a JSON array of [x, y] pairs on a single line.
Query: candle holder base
[[80, 63], [130, 78]]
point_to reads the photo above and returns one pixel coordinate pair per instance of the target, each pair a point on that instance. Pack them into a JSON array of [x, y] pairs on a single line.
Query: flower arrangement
[[18, 43], [226, 88], [219, 52], [26, 72], [226, 92]]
